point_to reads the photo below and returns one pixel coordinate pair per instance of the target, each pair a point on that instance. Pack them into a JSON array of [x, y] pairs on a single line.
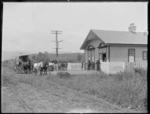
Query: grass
[[126, 89], [9, 78]]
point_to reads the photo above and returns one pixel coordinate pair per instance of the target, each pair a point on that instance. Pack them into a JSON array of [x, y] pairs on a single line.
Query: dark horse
[[28, 67], [44, 68]]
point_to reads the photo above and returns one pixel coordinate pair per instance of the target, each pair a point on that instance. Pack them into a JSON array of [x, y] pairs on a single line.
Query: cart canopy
[[24, 58]]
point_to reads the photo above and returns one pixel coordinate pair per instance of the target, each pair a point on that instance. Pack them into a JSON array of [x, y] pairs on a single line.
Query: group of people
[[39, 68], [43, 67], [91, 65]]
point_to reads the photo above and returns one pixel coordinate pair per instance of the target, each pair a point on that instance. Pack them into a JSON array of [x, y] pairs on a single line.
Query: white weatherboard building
[[115, 46]]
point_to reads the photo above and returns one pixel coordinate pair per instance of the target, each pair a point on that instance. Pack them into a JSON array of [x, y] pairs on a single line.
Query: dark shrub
[[122, 76], [64, 75], [139, 70], [117, 77], [144, 104], [103, 75], [141, 73]]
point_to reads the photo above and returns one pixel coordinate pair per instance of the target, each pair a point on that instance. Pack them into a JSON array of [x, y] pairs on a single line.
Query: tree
[[46, 52], [79, 57], [33, 57]]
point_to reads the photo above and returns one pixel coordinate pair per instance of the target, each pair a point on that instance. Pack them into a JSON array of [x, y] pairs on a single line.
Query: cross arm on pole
[[57, 48], [57, 42], [60, 41], [55, 33]]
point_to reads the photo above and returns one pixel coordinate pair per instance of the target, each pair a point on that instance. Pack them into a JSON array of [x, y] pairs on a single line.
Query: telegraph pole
[[57, 42]]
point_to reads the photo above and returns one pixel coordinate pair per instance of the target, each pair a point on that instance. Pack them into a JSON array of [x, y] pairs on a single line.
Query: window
[[91, 53], [131, 55], [90, 47], [144, 55], [101, 45]]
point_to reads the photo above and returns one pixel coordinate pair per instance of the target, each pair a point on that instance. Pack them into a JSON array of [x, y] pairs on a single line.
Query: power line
[[57, 42]]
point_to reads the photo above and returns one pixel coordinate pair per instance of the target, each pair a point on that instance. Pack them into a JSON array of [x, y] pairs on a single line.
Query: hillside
[[6, 55], [69, 57]]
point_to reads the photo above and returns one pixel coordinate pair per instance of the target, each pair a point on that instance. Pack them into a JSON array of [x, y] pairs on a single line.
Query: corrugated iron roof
[[121, 37], [117, 37]]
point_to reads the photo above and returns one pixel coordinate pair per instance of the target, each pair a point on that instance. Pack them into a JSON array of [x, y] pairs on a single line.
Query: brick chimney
[[132, 28]]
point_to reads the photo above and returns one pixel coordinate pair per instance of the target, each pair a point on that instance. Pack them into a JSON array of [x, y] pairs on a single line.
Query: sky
[[27, 26]]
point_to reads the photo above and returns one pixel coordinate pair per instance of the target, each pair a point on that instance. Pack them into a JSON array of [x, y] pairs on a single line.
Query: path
[[45, 96]]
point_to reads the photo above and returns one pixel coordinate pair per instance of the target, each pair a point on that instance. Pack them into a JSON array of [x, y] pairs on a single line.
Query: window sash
[[91, 55], [131, 54], [144, 54]]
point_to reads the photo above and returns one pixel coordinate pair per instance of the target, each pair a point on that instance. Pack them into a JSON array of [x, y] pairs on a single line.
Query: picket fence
[[131, 66], [115, 67], [112, 67], [74, 66]]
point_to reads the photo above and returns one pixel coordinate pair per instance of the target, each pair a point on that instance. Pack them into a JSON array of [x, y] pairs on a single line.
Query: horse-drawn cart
[[23, 64]]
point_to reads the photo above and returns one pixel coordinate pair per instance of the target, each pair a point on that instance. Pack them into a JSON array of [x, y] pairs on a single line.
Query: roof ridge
[[116, 31]]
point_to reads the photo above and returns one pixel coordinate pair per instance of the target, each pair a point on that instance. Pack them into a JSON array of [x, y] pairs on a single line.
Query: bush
[[122, 76], [103, 75], [64, 75], [144, 100], [142, 72], [118, 77], [138, 70]]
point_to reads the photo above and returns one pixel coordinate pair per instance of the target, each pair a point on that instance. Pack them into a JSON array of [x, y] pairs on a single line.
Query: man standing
[[98, 64], [89, 64], [93, 65]]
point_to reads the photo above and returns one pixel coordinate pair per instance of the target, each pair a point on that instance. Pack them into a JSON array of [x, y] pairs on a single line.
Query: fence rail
[[113, 67], [130, 66]]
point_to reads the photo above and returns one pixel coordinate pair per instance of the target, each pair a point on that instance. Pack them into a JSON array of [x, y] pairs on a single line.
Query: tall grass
[[9, 78], [126, 89]]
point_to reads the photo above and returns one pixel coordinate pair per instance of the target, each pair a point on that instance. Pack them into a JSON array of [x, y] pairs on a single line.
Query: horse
[[37, 68], [40, 68], [56, 66], [51, 65], [27, 67], [44, 68], [63, 65]]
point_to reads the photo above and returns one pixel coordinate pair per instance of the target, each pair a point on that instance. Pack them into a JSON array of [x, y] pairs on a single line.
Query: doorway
[[102, 57]]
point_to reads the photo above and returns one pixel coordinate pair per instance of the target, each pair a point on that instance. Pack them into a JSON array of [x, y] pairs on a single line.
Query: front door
[[102, 57]]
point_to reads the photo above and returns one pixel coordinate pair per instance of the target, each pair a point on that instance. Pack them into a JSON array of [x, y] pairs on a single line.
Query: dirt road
[[41, 95]]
